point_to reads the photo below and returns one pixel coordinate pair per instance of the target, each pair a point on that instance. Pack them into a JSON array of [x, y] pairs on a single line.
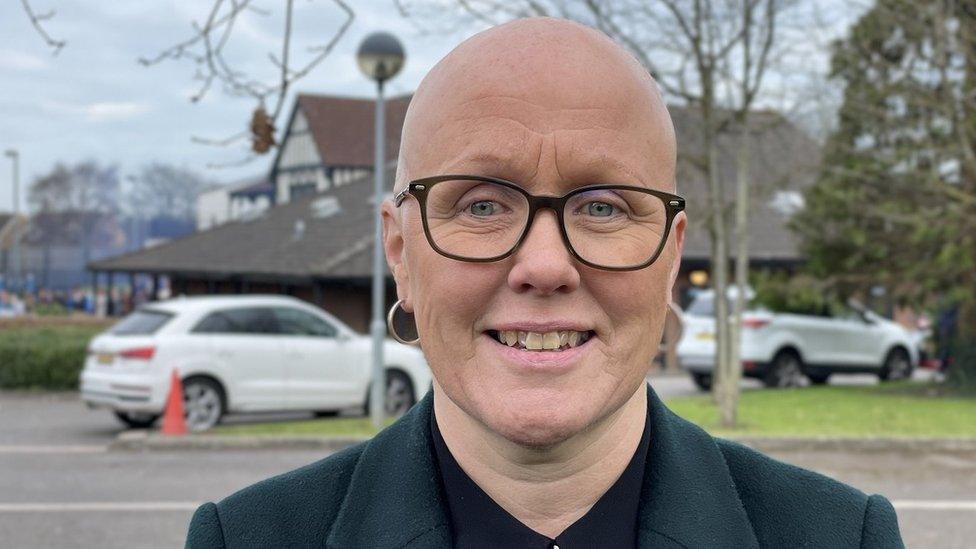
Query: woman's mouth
[[560, 340]]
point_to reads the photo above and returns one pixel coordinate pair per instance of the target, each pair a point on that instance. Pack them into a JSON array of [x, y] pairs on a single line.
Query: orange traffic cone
[[173, 421]]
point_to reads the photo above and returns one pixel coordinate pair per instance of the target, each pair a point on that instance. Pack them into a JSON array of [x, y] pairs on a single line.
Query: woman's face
[[549, 142]]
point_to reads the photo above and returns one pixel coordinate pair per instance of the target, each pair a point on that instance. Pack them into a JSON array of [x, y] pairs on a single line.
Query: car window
[[703, 305], [298, 322], [249, 320], [141, 322]]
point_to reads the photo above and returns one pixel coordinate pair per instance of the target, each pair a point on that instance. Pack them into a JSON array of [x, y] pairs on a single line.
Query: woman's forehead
[[550, 162]]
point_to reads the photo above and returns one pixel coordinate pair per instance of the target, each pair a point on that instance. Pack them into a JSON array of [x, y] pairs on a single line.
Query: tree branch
[[36, 19]]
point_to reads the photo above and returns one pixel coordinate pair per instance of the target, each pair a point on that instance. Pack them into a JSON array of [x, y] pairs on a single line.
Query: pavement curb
[[146, 441], [153, 441], [847, 444]]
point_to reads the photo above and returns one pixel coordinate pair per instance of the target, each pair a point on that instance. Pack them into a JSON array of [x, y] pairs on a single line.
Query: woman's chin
[[535, 423]]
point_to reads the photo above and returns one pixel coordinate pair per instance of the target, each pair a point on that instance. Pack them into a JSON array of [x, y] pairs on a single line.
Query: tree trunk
[[719, 259], [743, 168]]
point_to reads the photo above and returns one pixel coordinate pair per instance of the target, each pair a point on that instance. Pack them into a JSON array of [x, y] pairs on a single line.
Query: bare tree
[[758, 27], [73, 204], [206, 49], [711, 55], [163, 190]]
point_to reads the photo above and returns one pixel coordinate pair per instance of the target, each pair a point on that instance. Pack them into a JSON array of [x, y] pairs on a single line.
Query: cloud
[[98, 112], [19, 61], [104, 111]]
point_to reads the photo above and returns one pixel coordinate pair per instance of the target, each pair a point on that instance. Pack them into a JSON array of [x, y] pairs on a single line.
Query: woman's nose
[[542, 264]]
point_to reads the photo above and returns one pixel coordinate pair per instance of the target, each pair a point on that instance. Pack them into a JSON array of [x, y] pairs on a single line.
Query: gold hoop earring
[[405, 321]]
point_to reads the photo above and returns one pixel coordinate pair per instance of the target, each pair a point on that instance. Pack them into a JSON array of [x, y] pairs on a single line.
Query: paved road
[[59, 487], [75, 499], [60, 418]]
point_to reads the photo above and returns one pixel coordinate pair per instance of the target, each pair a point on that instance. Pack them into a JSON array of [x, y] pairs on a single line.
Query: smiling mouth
[[536, 341]]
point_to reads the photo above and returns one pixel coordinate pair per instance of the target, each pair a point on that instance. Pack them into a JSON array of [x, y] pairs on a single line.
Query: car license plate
[[705, 336], [105, 358]]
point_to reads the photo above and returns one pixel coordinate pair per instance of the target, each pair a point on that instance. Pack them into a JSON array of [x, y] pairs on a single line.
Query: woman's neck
[[545, 489]]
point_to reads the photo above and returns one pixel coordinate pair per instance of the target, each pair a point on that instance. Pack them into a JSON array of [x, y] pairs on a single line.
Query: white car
[[241, 354], [780, 349]]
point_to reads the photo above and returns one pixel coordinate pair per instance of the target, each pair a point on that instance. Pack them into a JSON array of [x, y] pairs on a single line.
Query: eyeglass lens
[[607, 227]]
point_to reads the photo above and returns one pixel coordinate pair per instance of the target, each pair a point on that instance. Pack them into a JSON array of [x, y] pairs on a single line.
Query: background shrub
[[44, 353], [962, 372]]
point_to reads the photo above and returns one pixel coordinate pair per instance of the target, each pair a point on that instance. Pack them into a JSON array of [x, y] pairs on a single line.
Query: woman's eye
[[482, 208], [599, 209]]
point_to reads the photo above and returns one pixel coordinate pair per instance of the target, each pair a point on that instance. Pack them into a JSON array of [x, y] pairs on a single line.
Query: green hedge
[[962, 372], [43, 357]]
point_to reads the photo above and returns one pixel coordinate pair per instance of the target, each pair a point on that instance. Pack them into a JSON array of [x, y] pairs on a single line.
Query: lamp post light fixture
[[380, 58], [14, 157]]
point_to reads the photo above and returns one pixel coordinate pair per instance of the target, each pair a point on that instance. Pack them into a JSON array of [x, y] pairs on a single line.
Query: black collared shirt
[[477, 521]]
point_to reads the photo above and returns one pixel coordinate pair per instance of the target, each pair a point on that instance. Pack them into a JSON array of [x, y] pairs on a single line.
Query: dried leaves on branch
[[206, 48], [36, 20]]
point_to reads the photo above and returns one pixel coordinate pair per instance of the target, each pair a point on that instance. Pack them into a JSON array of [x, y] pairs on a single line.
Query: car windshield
[[141, 322]]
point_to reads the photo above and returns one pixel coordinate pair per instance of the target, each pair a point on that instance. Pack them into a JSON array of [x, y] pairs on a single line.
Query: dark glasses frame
[[419, 188]]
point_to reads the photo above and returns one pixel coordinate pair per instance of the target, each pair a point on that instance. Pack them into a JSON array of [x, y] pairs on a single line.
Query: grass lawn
[[890, 410], [905, 409], [334, 426]]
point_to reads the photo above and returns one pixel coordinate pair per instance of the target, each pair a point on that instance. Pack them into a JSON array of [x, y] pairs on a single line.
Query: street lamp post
[[380, 58], [14, 157]]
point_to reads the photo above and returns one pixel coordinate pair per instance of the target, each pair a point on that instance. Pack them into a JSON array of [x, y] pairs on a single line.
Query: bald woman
[[534, 237]]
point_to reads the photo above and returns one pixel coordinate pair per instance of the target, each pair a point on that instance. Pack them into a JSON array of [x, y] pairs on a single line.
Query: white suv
[[241, 354], [780, 349]]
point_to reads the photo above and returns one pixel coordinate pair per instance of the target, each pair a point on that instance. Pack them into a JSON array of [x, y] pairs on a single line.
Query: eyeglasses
[[482, 219]]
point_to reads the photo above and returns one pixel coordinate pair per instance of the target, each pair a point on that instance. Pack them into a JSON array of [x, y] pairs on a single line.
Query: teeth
[[535, 341]]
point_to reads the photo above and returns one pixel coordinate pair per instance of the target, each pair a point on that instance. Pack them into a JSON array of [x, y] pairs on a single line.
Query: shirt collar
[[477, 521]]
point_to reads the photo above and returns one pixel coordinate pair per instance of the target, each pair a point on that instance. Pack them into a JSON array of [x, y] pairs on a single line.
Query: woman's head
[[551, 106]]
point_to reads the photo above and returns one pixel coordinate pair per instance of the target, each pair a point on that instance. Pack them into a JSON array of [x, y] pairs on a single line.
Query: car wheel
[[399, 393], [785, 371], [326, 413], [203, 403], [896, 366], [702, 381], [818, 379], [137, 420]]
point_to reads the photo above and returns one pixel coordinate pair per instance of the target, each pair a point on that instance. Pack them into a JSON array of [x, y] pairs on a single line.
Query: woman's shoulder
[[303, 503], [786, 502]]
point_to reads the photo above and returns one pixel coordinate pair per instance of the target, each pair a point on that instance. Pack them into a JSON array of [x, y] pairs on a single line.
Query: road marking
[[98, 506], [933, 505], [114, 506], [53, 449]]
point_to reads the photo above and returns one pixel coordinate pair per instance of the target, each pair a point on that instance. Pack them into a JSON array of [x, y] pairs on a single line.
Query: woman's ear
[[678, 233], [395, 258]]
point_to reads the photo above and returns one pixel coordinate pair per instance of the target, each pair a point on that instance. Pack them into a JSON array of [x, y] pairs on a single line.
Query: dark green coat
[[698, 492]]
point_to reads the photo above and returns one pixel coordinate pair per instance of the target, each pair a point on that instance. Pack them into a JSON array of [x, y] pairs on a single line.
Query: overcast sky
[[94, 101]]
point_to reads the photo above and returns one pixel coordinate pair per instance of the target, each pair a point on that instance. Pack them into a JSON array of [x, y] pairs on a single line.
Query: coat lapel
[[394, 497], [688, 498]]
